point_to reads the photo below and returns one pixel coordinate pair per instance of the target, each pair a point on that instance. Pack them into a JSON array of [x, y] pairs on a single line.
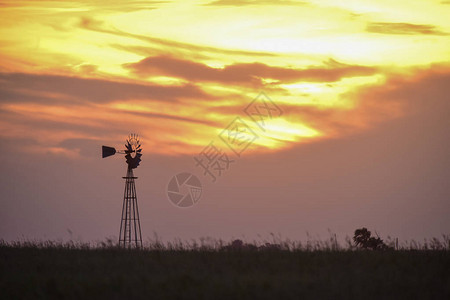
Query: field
[[57, 271]]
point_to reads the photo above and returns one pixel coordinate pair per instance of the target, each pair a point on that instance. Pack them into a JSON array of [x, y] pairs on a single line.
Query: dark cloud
[[20, 87], [403, 28], [244, 73]]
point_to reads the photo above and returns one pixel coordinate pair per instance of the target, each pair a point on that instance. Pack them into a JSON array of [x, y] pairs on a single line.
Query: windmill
[[130, 227]]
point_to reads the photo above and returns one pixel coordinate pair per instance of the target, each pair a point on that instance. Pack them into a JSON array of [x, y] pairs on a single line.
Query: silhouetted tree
[[238, 245], [363, 240]]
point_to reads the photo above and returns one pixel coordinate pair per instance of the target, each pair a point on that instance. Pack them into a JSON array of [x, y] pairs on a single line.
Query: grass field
[[68, 271], [49, 270]]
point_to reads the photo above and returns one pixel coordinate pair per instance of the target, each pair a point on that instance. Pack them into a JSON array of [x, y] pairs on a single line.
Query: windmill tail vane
[[130, 235]]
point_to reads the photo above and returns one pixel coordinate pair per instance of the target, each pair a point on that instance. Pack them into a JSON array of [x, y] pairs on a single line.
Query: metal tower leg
[[130, 228]]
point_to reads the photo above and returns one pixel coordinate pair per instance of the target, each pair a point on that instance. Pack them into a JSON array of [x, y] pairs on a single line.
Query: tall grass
[[208, 268], [211, 244]]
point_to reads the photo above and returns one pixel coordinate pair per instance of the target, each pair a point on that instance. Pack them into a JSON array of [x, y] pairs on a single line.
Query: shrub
[[364, 240]]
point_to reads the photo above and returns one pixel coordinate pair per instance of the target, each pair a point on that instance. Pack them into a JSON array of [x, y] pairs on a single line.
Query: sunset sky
[[361, 137]]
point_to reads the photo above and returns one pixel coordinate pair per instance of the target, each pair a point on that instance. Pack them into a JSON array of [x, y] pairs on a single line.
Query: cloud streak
[[245, 73], [93, 24], [21, 87], [403, 28], [254, 2], [94, 5]]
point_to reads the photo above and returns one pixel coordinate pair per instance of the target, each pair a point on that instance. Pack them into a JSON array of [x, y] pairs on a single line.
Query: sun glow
[[280, 133]]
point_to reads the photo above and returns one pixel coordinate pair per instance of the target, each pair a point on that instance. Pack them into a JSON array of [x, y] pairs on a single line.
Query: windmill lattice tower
[[130, 235]]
